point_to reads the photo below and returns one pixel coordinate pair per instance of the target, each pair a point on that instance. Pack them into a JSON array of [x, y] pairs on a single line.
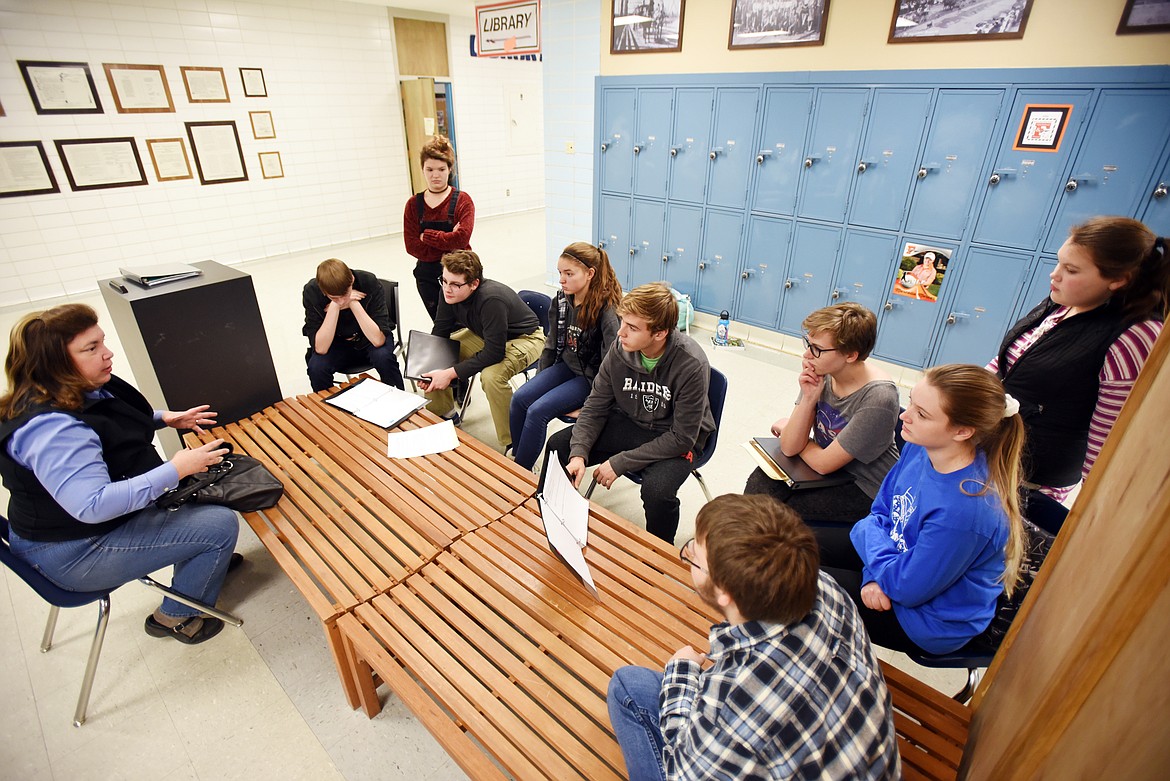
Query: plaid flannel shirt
[[801, 701]]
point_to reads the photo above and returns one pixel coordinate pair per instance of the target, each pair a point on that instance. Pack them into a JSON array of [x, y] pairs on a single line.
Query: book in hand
[[149, 276], [565, 514], [792, 469], [379, 403], [427, 353]]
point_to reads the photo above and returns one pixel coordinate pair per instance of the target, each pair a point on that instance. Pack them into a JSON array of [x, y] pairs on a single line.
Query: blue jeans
[[633, 712], [197, 539], [342, 356], [553, 391]]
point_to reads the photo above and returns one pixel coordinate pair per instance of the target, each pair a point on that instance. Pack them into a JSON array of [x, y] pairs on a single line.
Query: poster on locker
[[921, 271]]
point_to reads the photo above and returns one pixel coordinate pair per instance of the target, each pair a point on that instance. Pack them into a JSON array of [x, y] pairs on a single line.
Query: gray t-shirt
[[863, 422]]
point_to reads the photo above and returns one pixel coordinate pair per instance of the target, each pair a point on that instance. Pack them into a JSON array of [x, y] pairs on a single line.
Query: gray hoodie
[[671, 400]]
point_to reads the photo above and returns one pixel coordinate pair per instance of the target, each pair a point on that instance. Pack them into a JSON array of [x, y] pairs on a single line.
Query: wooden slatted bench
[[932, 728]]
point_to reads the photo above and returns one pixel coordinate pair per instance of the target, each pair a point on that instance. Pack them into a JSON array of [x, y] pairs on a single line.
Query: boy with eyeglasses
[[498, 335], [849, 408], [793, 689]]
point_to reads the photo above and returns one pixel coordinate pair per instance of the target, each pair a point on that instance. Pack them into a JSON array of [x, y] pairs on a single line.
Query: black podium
[[196, 341]]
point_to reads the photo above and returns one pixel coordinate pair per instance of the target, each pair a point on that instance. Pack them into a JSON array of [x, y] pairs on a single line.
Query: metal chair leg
[[973, 676], [702, 484], [95, 650], [50, 625], [589, 490], [227, 618]]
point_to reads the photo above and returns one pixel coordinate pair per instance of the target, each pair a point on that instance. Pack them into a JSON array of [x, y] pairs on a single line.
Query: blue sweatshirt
[[936, 552]]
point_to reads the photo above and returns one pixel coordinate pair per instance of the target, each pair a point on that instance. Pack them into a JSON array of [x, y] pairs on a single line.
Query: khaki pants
[[518, 354]]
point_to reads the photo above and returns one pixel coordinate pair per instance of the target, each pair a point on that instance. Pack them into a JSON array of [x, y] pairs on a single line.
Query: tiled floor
[[263, 702]]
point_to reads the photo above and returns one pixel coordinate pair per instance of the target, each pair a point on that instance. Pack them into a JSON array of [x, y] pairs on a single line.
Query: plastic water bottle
[[722, 328]]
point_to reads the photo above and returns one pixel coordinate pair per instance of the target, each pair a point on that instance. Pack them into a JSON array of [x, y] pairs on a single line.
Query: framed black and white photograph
[[25, 169], [253, 81], [218, 155], [756, 24], [1145, 16], [646, 26], [958, 20], [60, 87], [99, 163]]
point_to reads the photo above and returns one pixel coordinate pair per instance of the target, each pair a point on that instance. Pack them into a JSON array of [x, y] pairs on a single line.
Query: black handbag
[[239, 482]]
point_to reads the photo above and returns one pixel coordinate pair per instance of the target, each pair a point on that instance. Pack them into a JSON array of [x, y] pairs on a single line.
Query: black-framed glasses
[[687, 554], [816, 349], [453, 285]]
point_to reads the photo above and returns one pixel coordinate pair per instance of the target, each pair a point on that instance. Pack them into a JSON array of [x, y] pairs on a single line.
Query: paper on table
[[565, 514], [424, 441], [379, 403]]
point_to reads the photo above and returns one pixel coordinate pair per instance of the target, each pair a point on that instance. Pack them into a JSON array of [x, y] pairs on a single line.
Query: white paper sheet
[[437, 438], [565, 514]]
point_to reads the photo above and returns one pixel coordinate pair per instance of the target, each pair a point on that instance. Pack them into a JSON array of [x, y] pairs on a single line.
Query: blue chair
[[58, 598], [716, 396]]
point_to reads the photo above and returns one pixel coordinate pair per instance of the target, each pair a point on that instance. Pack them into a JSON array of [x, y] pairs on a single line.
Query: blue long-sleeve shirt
[[937, 552]]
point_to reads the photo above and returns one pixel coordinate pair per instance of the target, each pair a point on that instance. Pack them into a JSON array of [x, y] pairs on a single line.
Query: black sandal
[[209, 629]]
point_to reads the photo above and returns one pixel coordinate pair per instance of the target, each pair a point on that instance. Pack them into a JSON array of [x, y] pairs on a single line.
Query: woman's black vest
[[1056, 381], [125, 426]]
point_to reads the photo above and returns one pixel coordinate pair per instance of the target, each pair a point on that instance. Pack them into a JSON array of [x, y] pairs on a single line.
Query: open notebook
[[379, 403], [565, 514]]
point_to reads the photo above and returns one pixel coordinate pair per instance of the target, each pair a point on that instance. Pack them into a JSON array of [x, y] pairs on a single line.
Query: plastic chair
[[390, 288], [975, 656], [58, 598], [716, 396]]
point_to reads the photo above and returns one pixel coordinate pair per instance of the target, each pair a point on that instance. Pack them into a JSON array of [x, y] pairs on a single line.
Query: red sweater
[[430, 245]]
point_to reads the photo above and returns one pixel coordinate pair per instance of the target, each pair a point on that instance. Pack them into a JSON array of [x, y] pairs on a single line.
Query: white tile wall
[[332, 85]]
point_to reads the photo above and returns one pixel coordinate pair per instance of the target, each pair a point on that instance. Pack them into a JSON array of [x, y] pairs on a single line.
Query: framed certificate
[[139, 89], [262, 126], [271, 166], [253, 80], [169, 157], [218, 156], [98, 163], [205, 85], [60, 87], [25, 170]]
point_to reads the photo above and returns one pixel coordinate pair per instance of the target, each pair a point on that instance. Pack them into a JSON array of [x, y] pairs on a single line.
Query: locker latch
[[762, 156], [808, 161], [926, 169], [715, 152], [1078, 179], [864, 165], [1000, 174], [954, 317], [1160, 191]]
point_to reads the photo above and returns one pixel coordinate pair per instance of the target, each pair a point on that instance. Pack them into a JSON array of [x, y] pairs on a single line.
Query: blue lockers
[[771, 195]]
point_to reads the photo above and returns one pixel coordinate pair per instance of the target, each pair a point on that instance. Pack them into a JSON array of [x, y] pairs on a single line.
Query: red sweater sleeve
[[410, 231]]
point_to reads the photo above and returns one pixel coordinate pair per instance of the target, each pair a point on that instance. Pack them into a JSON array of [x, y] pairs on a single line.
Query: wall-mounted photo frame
[[169, 157], [60, 87], [205, 85], [253, 81], [1145, 16], [916, 21], [100, 163], [270, 165], [646, 26], [758, 24], [262, 126], [1042, 128], [218, 155], [25, 169], [139, 89]]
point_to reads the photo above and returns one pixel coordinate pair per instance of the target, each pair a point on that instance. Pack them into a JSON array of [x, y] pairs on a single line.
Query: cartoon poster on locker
[[921, 272]]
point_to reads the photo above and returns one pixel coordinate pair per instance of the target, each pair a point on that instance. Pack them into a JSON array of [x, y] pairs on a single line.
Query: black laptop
[[794, 471], [427, 353]]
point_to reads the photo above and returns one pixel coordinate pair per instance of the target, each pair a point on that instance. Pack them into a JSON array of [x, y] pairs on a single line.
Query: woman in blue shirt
[[944, 537], [77, 456]]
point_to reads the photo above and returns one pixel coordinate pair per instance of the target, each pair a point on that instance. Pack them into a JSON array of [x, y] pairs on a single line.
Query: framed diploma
[[24, 169], [218, 156], [254, 86], [262, 124], [205, 85], [139, 89], [169, 157], [98, 163], [60, 87], [270, 165]]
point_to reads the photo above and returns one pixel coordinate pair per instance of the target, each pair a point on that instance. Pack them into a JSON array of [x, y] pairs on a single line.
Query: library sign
[[507, 28]]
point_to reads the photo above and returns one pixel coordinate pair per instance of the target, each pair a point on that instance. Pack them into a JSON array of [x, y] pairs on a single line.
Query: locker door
[[778, 161], [831, 158], [690, 144], [719, 265], [652, 142], [810, 272], [866, 268], [764, 266], [613, 233], [646, 246], [617, 140], [956, 147], [888, 157], [681, 254], [906, 325], [1026, 178], [981, 309], [1156, 214], [1115, 161], [732, 153], [1037, 290]]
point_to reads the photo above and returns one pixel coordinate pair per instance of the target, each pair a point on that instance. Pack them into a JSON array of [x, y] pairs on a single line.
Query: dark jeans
[[342, 355], [426, 279], [839, 504], [660, 480]]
